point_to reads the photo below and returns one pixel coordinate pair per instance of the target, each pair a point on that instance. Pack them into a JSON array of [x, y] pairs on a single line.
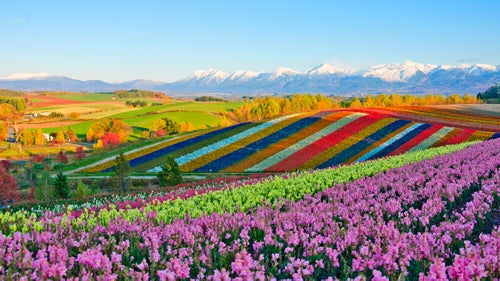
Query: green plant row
[[291, 186]]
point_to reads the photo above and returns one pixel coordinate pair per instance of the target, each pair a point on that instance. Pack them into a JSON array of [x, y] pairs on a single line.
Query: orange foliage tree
[[101, 127]]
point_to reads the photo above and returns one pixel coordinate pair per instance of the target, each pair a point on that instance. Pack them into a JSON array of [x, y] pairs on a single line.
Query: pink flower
[[377, 276], [221, 275]]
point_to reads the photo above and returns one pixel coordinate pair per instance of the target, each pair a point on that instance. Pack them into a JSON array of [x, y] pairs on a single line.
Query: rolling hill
[[305, 141]]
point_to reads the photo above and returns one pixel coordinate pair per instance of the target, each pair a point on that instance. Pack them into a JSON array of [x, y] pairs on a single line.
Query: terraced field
[[312, 140]]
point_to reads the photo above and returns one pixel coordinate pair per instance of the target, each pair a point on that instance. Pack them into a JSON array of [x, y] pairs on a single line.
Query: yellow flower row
[[480, 135]]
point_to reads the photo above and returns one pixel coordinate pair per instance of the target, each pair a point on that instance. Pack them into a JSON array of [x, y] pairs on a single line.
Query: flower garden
[[428, 214], [306, 141]]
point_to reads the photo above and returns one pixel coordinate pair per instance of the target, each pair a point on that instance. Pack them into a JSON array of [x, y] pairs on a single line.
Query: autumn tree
[[101, 127], [74, 115], [186, 127], [79, 153], [59, 139], [158, 124], [39, 137], [71, 135], [61, 157], [7, 111], [3, 131], [8, 187], [25, 137], [355, 103], [369, 101], [110, 139]]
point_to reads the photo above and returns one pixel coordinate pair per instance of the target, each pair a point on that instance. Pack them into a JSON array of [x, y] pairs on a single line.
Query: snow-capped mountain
[[208, 76], [406, 77], [283, 73], [25, 76], [328, 69], [242, 75], [399, 72]]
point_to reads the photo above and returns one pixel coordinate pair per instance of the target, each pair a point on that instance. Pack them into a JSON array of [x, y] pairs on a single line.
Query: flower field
[[429, 214], [306, 141]]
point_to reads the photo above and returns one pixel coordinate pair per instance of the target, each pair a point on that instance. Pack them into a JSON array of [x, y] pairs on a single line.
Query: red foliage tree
[[79, 154], [110, 139], [37, 158], [61, 157], [6, 164], [8, 187], [160, 132]]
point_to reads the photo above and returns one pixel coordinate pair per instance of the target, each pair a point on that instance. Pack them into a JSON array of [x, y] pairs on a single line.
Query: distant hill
[[407, 77]]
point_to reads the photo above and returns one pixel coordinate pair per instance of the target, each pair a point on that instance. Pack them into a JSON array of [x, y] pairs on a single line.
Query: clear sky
[[168, 40]]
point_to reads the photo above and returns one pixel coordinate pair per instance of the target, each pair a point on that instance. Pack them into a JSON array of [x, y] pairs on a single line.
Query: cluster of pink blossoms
[[433, 220]]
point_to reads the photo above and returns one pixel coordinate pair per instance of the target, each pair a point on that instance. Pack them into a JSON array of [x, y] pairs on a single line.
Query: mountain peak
[[282, 71], [204, 73], [242, 75], [25, 76], [398, 72], [327, 69]]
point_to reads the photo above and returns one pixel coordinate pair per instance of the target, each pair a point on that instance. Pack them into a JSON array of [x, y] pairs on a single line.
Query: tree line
[[134, 93], [270, 107], [18, 103], [209, 98], [491, 95]]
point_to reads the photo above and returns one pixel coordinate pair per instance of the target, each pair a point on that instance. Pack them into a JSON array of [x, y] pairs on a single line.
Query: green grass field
[[198, 119], [84, 97], [200, 114]]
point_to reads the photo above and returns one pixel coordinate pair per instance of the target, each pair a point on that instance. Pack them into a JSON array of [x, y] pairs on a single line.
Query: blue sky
[[168, 40]]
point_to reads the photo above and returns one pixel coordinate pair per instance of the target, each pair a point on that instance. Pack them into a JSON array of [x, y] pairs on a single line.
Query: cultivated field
[[312, 140], [396, 193]]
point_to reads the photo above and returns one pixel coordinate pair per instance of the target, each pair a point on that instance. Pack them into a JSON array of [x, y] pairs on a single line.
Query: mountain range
[[406, 77]]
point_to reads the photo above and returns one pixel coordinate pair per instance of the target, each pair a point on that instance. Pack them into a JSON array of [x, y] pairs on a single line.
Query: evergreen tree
[[170, 173], [122, 170], [61, 186]]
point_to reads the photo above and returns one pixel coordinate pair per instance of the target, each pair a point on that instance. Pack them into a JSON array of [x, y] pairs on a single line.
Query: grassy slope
[[200, 114]]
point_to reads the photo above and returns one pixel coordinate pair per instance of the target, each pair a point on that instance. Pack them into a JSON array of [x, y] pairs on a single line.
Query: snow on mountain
[[283, 72], [398, 72], [208, 75], [25, 76], [477, 68], [406, 77], [328, 69], [242, 75]]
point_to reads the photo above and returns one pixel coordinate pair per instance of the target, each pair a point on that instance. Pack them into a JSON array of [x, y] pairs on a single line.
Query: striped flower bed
[[303, 141]]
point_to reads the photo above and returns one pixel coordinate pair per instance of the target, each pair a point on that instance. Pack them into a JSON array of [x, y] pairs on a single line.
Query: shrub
[[82, 190], [170, 173], [61, 187], [79, 154]]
